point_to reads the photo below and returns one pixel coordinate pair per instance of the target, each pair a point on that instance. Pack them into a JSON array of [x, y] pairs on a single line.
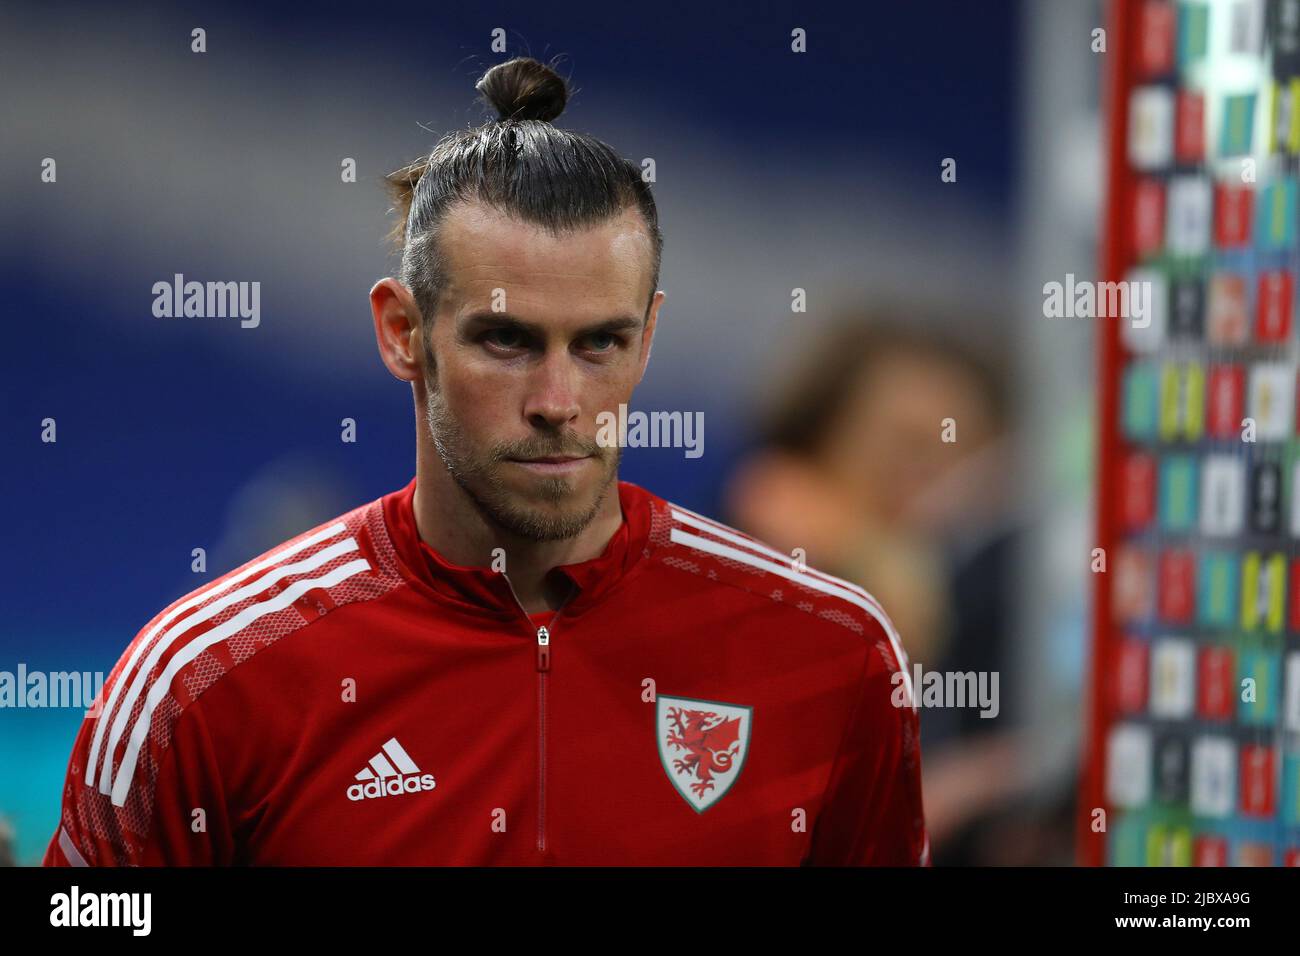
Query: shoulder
[[736, 562], [286, 588], [202, 636]]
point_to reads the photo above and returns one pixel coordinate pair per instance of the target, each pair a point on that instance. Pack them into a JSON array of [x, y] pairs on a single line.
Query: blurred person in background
[[853, 467], [8, 857]]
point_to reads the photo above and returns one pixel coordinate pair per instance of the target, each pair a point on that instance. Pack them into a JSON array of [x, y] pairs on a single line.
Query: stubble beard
[[479, 478]]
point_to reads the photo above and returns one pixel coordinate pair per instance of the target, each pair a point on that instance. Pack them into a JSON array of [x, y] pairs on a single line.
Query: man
[[517, 658]]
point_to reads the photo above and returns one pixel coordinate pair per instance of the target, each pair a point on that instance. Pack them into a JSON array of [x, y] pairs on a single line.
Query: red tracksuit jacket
[[350, 697]]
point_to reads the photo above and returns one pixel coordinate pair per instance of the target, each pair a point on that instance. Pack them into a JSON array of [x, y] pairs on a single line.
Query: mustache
[[575, 448]]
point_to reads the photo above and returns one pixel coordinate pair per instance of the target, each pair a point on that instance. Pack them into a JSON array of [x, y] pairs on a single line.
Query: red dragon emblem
[[711, 745]]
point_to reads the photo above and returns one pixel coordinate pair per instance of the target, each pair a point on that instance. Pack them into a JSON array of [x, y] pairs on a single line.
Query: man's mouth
[[552, 464]]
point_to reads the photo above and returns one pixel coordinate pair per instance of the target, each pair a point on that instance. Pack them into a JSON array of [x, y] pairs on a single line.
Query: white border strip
[[721, 550], [685, 515], [202, 595], [162, 686], [173, 636], [735, 537], [70, 851]]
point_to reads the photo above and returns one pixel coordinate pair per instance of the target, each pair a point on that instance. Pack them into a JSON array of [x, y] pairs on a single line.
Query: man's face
[[533, 337]]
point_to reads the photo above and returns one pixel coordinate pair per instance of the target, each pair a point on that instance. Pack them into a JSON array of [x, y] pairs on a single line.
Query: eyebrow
[[477, 321]]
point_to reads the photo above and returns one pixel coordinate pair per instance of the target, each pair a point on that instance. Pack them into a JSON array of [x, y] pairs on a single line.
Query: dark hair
[[802, 413], [519, 164]]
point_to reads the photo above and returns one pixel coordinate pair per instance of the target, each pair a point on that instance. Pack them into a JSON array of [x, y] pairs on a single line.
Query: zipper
[[543, 637]]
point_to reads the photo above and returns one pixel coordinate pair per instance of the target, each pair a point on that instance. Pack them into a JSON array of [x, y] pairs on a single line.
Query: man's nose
[[552, 398]]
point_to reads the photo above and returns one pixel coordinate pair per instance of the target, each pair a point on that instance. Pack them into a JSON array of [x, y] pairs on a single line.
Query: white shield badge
[[702, 744]]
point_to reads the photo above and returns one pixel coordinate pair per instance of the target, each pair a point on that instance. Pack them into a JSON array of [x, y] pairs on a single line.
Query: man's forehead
[[486, 249]]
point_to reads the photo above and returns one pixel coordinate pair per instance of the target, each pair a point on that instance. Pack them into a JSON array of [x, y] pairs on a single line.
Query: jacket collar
[[484, 589]]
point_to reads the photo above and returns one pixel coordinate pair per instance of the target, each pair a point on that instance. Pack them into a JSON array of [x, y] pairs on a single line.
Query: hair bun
[[523, 88]]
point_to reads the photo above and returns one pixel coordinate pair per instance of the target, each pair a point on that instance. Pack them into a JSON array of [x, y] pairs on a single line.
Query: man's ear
[[648, 334], [397, 329]]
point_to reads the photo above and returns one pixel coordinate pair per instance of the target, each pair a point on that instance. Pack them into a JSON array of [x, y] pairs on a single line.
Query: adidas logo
[[390, 772]]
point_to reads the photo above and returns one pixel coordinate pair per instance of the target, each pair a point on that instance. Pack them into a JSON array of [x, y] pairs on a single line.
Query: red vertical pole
[[1115, 255]]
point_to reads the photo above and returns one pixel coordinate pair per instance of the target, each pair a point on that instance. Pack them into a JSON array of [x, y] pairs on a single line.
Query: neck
[[449, 522]]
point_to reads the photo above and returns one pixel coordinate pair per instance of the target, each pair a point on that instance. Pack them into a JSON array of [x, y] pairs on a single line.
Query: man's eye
[[613, 340], [513, 338]]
